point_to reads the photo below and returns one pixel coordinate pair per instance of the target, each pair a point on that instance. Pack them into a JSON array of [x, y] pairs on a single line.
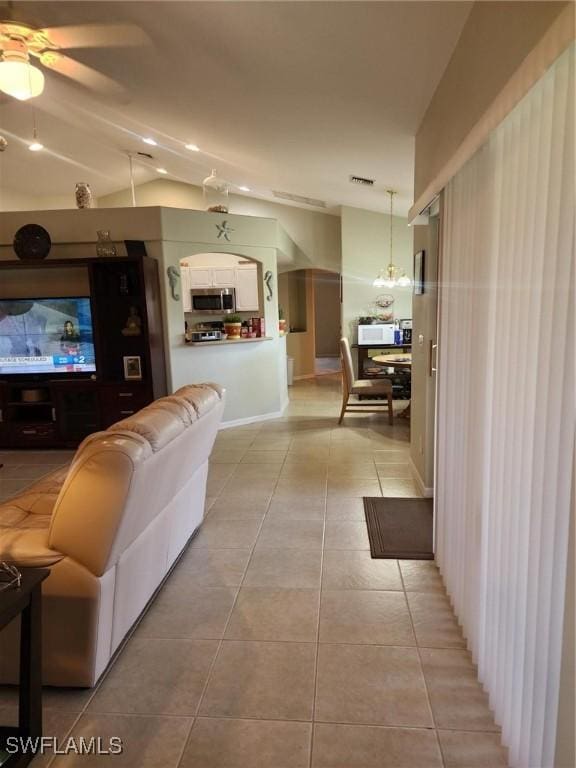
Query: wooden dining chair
[[365, 387]]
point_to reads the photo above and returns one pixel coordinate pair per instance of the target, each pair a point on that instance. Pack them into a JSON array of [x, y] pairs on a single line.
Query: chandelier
[[392, 276]]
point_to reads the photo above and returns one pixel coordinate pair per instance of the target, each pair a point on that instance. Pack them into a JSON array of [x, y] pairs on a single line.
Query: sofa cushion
[[27, 547], [159, 426], [32, 508], [181, 408], [203, 397]]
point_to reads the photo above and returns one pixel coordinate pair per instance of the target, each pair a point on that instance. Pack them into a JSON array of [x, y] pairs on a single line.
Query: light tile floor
[[278, 642]]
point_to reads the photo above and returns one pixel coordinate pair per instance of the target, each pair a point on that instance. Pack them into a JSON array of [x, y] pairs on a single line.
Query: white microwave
[[379, 333]]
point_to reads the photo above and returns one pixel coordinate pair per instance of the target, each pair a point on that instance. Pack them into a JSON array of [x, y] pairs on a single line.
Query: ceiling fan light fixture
[[19, 78]]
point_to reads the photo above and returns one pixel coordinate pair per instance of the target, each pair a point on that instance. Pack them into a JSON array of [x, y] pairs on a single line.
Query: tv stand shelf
[[59, 411]]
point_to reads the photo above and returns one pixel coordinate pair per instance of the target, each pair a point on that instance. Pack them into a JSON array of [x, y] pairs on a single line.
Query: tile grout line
[[221, 641], [428, 696], [315, 692]]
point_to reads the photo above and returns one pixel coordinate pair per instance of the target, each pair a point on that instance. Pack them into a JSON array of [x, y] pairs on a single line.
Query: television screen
[[46, 336]]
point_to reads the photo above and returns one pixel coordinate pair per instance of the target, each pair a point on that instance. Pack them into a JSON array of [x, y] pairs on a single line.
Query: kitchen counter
[[225, 341]]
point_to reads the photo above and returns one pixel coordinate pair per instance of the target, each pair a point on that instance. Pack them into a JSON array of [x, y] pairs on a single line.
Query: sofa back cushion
[[121, 479]]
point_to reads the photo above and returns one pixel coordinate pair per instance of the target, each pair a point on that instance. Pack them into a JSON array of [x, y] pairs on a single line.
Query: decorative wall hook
[[268, 282], [174, 278]]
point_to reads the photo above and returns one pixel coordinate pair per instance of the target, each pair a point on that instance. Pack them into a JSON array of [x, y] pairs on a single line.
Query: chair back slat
[[347, 366]]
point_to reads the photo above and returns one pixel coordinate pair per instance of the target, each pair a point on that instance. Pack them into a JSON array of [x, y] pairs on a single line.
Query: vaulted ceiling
[[279, 96]]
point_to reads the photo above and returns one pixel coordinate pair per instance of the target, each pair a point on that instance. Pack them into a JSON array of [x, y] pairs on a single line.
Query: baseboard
[[254, 419], [428, 493]]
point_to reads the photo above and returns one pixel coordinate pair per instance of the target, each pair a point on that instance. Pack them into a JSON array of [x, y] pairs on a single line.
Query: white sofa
[[110, 527]]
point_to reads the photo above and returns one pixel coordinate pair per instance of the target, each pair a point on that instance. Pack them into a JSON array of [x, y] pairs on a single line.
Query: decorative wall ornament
[[224, 230], [174, 278], [384, 301], [268, 283], [32, 242], [133, 325]]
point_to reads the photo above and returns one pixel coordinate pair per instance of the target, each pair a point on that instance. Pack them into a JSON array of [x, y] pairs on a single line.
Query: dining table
[[401, 360]]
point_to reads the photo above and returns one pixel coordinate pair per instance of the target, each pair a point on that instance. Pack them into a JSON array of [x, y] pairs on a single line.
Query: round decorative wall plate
[[32, 242], [384, 300]]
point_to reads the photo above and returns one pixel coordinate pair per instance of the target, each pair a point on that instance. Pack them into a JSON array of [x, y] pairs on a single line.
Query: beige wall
[[327, 311], [11, 200], [495, 40], [365, 251], [316, 234], [296, 297]]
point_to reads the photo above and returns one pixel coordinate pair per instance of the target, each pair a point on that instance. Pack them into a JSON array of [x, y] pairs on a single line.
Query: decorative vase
[[233, 330], [83, 195], [104, 246], [215, 191]]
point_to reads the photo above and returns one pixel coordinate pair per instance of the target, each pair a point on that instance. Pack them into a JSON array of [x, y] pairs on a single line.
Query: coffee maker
[[406, 331]]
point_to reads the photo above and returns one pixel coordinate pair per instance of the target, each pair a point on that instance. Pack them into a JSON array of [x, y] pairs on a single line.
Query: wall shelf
[[226, 341]]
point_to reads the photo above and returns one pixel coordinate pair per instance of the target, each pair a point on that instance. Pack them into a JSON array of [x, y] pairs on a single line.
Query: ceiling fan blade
[[83, 74], [96, 36]]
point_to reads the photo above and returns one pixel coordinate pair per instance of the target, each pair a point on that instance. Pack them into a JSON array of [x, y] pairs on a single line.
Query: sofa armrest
[[27, 547]]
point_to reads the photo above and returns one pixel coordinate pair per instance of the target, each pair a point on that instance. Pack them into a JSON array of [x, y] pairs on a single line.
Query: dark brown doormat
[[399, 527]]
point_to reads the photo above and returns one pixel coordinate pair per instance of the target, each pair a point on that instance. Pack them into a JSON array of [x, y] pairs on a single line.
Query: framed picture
[[419, 272], [132, 367]]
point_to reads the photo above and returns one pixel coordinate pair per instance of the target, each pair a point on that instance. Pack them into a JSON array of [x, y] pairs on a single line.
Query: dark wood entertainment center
[[69, 408]]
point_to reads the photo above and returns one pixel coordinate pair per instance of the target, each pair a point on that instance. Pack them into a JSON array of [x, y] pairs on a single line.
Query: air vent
[[299, 199], [362, 180]]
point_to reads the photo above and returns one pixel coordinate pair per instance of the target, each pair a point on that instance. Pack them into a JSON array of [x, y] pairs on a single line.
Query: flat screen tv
[[46, 337]]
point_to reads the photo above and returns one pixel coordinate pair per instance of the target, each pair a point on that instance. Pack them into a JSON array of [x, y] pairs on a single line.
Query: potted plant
[[281, 321], [232, 326]]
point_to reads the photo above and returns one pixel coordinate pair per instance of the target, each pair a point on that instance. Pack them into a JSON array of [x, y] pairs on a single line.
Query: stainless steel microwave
[[213, 301]]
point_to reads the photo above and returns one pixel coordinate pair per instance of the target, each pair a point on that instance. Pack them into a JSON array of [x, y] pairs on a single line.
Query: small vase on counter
[[83, 195], [233, 326]]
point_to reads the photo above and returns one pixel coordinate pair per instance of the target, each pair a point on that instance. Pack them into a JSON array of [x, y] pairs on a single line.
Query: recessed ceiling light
[[192, 147], [161, 170], [35, 146], [152, 142], [244, 188]]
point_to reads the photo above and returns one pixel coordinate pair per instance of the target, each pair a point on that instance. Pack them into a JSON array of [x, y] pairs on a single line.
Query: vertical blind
[[505, 434]]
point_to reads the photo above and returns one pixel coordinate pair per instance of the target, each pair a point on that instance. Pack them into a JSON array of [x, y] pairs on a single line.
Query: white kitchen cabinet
[[247, 288], [244, 278], [185, 288], [200, 277], [223, 277]]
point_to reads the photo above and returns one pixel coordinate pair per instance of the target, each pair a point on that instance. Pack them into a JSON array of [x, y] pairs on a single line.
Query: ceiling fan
[[21, 43]]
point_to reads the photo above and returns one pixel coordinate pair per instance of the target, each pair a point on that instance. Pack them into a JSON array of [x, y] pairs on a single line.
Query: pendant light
[[391, 277], [35, 145]]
